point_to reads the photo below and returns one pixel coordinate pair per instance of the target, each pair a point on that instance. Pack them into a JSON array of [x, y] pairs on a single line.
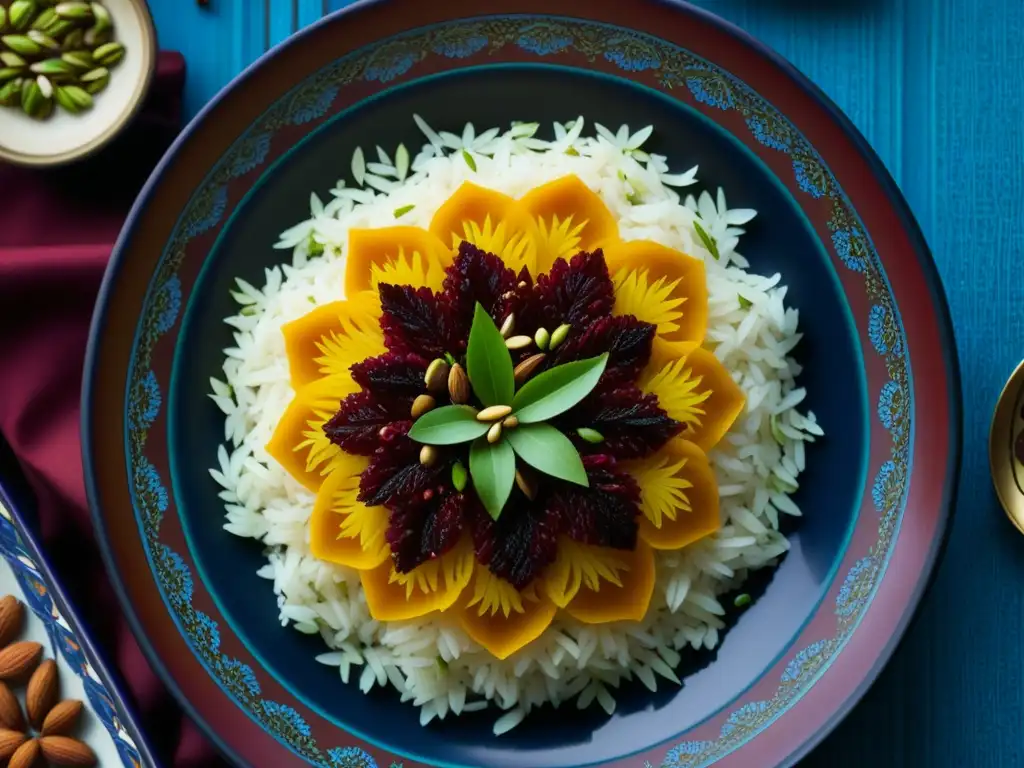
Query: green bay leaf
[[557, 390], [549, 451], [488, 361], [492, 467], [449, 425]]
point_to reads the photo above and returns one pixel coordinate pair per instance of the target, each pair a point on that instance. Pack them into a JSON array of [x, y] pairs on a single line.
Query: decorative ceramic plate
[[105, 723], [877, 358]]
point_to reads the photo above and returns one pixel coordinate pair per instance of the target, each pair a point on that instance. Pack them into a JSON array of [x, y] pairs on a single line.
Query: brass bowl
[[1006, 448]]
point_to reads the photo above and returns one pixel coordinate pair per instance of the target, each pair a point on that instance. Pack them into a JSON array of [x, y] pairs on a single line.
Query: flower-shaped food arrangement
[[508, 414]]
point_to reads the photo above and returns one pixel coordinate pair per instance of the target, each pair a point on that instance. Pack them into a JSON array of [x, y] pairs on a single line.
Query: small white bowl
[[64, 137]]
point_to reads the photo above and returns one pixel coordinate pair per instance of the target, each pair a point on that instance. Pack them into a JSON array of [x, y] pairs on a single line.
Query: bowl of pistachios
[[73, 73]]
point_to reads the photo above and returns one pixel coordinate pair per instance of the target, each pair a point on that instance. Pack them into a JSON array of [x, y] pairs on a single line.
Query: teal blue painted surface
[[935, 85]]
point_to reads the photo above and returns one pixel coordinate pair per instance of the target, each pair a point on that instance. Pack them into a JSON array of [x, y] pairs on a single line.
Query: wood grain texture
[[935, 86]]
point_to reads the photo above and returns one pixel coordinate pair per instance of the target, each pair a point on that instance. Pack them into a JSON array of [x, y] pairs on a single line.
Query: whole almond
[[526, 369], [9, 743], [62, 718], [60, 750], [10, 710], [18, 661], [42, 692], [27, 755], [12, 616], [458, 385]]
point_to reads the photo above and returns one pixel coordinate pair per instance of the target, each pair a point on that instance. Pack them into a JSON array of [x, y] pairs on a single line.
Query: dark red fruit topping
[[626, 340], [391, 375], [356, 427], [632, 423], [605, 514], [427, 515], [475, 276], [414, 321]]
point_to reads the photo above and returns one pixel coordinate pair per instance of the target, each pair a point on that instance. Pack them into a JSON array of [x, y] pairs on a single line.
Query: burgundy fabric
[[57, 228]]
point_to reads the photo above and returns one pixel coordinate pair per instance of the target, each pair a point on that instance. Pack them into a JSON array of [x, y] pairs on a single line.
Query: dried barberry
[[395, 476], [392, 375], [575, 292], [626, 340], [475, 276], [520, 544], [605, 514], [632, 423], [414, 320], [356, 426]]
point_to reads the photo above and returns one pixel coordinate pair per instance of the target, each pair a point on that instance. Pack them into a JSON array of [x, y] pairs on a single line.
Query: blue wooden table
[[936, 86]]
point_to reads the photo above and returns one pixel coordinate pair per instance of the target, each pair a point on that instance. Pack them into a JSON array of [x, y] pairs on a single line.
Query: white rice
[[430, 661]]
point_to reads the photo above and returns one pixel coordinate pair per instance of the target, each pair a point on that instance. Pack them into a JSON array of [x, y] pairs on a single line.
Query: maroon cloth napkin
[[57, 228]]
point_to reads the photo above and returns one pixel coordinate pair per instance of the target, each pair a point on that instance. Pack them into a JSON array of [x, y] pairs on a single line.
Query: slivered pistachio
[[102, 17], [59, 29], [75, 10], [429, 455], [65, 101], [95, 36], [74, 38], [436, 377], [79, 97], [518, 342], [34, 102], [421, 405], [43, 40], [95, 80], [21, 44], [45, 18], [11, 59], [459, 476], [10, 92], [21, 13], [9, 73], [542, 338], [52, 67], [508, 326], [590, 435], [81, 60], [494, 433], [45, 86], [559, 335], [108, 54]]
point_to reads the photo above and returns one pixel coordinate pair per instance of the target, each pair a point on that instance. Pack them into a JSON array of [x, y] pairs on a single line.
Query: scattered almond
[[10, 740], [42, 692], [17, 661], [526, 368], [26, 756], [458, 385], [10, 710], [12, 616], [60, 750], [62, 718]]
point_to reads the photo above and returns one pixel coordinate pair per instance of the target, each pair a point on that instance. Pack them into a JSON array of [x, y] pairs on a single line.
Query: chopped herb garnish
[[400, 212], [469, 160], [572, 152], [634, 198], [708, 240], [741, 601], [745, 303], [314, 248]]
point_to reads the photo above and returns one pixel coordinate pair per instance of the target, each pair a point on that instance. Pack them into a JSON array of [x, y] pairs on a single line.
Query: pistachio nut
[[95, 80], [21, 44], [81, 60], [21, 13], [10, 92], [76, 95], [11, 59], [45, 19], [102, 17], [108, 54], [43, 40], [75, 10]]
